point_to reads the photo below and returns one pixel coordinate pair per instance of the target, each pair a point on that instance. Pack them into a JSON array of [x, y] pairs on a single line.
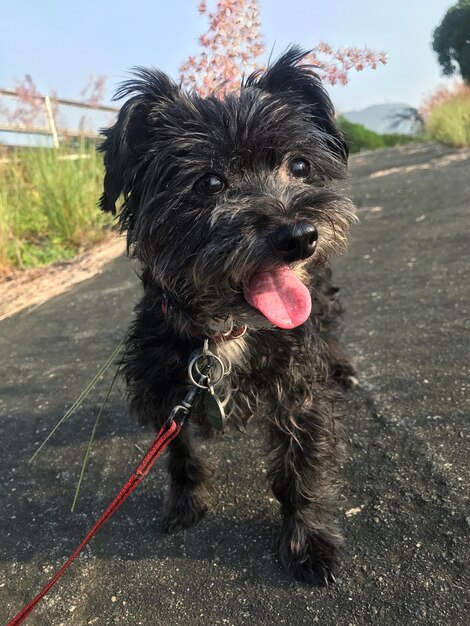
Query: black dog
[[229, 206]]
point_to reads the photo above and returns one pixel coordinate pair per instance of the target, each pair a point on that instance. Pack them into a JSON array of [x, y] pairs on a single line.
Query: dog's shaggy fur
[[206, 183]]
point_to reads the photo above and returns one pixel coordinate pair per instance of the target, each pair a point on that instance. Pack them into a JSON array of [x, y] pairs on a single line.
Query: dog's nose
[[295, 241]]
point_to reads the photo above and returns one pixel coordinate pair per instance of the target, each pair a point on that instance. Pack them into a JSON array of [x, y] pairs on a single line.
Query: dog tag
[[215, 410]]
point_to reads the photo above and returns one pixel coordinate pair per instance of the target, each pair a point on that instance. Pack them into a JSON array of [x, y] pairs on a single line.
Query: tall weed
[[447, 115], [48, 204]]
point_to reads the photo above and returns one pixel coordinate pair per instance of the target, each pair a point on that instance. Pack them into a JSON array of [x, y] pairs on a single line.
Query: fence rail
[[52, 129]]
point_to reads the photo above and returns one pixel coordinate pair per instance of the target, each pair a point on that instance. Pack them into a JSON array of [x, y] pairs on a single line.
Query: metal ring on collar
[[193, 365]]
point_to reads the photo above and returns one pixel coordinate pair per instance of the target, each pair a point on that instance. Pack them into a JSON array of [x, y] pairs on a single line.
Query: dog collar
[[234, 333]]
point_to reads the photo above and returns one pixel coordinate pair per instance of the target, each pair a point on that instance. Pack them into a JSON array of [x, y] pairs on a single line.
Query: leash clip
[[186, 404]]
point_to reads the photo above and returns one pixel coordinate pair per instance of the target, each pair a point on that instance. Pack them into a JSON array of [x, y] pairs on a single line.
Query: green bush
[[48, 204], [449, 121], [360, 138]]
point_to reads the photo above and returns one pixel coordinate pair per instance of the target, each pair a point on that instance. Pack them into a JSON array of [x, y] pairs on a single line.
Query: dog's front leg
[[305, 453], [190, 485]]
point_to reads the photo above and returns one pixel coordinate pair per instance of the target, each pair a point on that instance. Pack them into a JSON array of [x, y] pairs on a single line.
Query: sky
[[61, 42]]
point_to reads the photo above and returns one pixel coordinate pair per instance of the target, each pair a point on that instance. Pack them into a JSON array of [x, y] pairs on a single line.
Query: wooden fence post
[[50, 115]]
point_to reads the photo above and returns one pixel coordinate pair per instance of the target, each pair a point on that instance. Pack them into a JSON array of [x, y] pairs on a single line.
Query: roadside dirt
[[31, 288]]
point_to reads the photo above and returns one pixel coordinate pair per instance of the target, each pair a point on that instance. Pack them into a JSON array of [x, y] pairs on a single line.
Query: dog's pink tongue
[[280, 296]]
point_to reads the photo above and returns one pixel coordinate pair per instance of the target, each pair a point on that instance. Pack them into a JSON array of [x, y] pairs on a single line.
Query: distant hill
[[380, 118]]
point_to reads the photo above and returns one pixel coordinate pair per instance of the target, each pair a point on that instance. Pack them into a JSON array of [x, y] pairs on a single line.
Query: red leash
[[168, 432]]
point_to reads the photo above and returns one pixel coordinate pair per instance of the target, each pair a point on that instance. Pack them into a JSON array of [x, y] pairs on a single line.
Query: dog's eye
[[210, 185], [299, 168]]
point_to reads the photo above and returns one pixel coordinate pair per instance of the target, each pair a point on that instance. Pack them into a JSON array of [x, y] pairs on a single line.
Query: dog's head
[[227, 201]]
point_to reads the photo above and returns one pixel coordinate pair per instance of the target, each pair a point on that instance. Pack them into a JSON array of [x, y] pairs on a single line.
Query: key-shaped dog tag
[[214, 408]]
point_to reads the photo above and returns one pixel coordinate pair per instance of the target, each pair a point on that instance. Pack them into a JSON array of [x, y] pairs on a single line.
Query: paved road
[[405, 499]]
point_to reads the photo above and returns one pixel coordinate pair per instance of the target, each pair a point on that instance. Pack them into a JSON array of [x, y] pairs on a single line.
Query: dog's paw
[[183, 509], [345, 376], [310, 557]]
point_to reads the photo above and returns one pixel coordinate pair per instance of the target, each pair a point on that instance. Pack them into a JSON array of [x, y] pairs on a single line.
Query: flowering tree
[[231, 48], [29, 109], [94, 90], [92, 93], [233, 45]]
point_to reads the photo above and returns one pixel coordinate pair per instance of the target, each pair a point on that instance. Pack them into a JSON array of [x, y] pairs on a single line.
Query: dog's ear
[[300, 83], [126, 142]]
